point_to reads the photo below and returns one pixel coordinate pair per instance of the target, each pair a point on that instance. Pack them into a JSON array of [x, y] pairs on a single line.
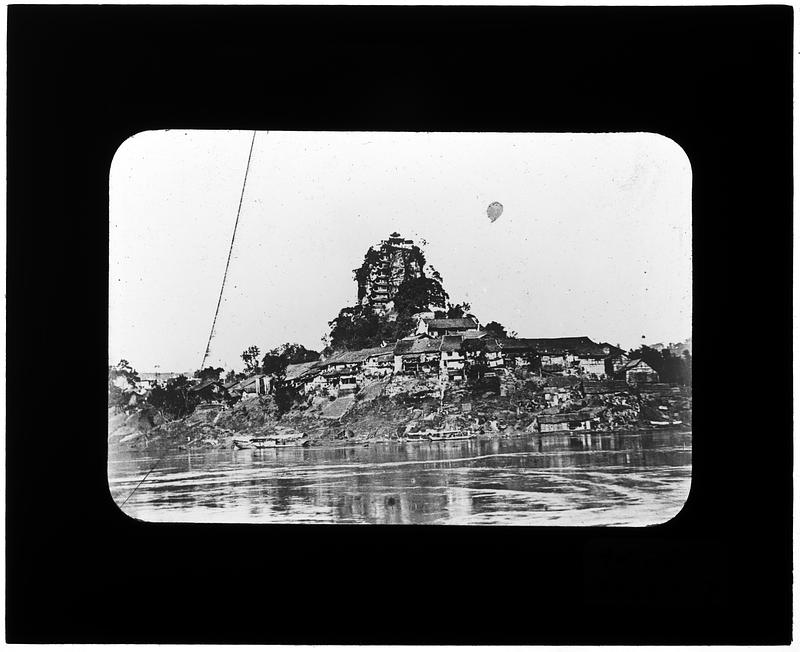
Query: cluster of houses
[[445, 348]]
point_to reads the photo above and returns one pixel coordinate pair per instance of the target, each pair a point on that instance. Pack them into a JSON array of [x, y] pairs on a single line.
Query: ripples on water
[[575, 479]]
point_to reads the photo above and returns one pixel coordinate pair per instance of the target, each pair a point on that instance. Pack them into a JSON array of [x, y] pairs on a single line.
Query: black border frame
[[81, 79]]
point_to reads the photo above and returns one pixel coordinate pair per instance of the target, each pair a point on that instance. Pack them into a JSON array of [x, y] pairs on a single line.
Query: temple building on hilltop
[[385, 267]]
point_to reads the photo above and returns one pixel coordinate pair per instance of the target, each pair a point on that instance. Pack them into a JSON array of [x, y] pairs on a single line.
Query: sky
[[594, 238]]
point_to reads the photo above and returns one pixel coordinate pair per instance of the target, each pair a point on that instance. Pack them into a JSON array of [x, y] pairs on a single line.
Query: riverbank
[[385, 412]]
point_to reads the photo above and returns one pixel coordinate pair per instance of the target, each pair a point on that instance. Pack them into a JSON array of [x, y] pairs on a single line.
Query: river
[[630, 479]]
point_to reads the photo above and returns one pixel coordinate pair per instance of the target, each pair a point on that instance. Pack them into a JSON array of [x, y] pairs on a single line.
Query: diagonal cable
[[230, 251]]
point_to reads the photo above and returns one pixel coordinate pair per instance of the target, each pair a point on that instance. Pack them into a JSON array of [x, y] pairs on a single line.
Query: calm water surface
[[579, 479]]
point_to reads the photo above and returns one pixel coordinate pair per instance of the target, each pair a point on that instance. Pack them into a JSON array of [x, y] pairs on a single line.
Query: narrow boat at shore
[[269, 441], [411, 437], [438, 435], [664, 424], [278, 441], [451, 435]]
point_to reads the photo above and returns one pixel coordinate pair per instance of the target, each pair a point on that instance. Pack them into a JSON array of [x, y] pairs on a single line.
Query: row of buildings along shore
[[445, 349]]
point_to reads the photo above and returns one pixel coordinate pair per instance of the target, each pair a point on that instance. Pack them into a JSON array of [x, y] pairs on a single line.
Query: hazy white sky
[[594, 239]]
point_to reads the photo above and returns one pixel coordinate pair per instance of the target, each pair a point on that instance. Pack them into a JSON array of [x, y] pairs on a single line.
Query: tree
[[174, 399], [276, 360], [209, 373], [284, 394], [418, 295], [250, 357], [122, 380], [496, 329], [356, 327], [124, 370], [458, 310]]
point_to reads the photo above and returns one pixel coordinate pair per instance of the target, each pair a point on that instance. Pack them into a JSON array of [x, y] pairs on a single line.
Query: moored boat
[[451, 435], [278, 441], [410, 437]]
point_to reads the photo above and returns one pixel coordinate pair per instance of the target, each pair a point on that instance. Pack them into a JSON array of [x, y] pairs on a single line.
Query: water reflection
[[563, 479]]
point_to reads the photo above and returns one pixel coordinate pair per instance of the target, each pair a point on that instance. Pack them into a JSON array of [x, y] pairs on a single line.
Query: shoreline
[[226, 441]]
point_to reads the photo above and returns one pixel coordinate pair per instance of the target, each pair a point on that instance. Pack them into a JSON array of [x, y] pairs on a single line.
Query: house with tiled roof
[[379, 362], [486, 349], [637, 371], [257, 384], [556, 355], [302, 376], [417, 354], [452, 357], [452, 326], [344, 371]]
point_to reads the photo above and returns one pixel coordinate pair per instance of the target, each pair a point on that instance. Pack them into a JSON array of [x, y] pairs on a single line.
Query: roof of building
[[579, 345], [450, 343], [378, 352], [612, 350], [403, 346], [354, 357], [427, 346], [296, 371], [341, 357], [418, 345], [518, 344], [204, 384], [633, 364], [488, 344], [338, 372], [455, 323]]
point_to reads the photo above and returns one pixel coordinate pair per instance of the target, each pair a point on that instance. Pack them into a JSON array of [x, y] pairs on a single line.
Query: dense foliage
[[359, 326], [276, 360], [174, 399], [122, 379], [419, 295], [495, 329], [284, 394], [209, 373]]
